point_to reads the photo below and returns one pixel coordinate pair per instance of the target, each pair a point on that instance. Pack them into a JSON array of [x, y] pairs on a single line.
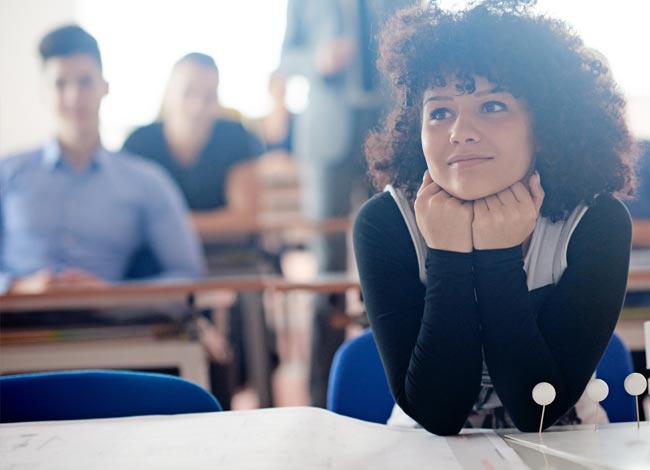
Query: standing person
[[498, 256], [210, 158], [73, 213], [640, 208], [640, 212], [331, 42], [277, 127]]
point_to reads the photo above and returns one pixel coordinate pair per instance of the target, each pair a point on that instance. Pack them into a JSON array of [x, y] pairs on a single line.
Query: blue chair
[[88, 394], [358, 386], [357, 383], [615, 365]]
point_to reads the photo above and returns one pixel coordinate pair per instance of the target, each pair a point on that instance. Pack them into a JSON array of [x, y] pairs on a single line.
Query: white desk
[[281, 438]]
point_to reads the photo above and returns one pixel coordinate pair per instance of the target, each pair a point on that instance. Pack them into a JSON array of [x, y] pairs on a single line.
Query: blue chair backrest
[[88, 394], [357, 383], [358, 386], [615, 365]]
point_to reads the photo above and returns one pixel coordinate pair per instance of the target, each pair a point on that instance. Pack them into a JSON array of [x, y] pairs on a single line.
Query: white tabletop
[[279, 438]]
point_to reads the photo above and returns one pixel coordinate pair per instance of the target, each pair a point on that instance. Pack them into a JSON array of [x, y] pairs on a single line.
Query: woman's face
[[475, 144], [192, 95]]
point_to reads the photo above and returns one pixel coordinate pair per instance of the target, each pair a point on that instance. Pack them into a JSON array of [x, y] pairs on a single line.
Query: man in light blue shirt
[[72, 213]]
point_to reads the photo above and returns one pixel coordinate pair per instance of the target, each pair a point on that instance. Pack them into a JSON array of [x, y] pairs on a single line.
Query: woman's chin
[[470, 195], [473, 194]]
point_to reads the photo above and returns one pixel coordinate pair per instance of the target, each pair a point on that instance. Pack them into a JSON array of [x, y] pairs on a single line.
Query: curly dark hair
[[582, 144]]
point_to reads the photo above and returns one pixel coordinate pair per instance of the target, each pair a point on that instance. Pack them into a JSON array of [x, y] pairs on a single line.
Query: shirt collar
[[53, 156]]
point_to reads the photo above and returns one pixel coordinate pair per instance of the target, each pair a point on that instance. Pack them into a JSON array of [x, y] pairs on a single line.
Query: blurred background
[[141, 39], [252, 229]]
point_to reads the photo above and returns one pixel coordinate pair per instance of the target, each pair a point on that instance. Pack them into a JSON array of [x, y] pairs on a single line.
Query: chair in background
[[615, 365], [358, 386], [357, 383], [88, 394]]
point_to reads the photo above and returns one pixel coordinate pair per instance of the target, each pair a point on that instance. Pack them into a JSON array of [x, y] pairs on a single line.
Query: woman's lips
[[468, 162]]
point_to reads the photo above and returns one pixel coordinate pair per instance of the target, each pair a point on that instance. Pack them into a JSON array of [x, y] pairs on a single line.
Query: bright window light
[[141, 40]]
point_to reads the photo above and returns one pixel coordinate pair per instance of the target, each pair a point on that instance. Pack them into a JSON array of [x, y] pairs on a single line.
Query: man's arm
[[167, 230]]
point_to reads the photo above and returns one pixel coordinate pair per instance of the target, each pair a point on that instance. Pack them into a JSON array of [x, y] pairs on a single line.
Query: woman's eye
[[439, 114], [493, 106]]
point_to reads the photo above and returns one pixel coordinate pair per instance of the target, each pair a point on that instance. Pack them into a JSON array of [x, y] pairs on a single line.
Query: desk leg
[[256, 341]]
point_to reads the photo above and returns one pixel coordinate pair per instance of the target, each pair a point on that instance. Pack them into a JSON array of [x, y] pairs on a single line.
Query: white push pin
[[635, 384], [597, 391], [543, 394]]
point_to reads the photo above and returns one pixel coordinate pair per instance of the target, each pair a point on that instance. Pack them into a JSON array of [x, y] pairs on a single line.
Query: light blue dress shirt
[[55, 217]]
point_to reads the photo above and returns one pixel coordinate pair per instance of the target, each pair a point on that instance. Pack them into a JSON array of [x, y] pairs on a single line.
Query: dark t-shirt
[[204, 182]]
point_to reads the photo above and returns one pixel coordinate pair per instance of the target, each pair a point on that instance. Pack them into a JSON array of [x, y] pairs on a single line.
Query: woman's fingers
[[428, 185], [492, 202], [536, 190], [522, 194], [507, 197], [426, 180]]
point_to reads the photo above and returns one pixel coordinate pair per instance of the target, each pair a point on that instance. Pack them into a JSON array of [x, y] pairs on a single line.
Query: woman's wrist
[[448, 262], [497, 257]]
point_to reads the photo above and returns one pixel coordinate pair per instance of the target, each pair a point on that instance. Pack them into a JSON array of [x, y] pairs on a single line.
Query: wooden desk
[[216, 292], [221, 291], [278, 226], [630, 324], [156, 292], [638, 281], [280, 438]]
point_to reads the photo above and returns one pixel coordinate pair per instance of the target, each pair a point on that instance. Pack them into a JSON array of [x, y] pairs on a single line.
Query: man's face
[[74, 88]]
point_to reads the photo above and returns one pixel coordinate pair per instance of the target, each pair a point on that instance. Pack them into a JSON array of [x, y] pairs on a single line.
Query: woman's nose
[[464, 130]]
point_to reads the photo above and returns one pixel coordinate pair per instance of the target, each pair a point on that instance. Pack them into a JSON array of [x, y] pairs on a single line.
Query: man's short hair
[[69, 40]]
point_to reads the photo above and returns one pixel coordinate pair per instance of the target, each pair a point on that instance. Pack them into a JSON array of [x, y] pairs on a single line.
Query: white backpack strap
[[409, 218]]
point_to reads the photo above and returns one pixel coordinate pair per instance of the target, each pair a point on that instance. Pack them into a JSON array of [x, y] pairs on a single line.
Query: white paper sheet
[[620, 446], [281, 438]]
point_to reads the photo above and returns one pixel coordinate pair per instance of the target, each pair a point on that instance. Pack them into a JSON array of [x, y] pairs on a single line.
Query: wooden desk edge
[[119, 294]]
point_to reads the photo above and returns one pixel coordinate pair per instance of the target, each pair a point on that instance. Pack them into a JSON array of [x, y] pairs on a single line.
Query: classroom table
[[219, 293], [630, 324], [638, 281], [134, 293], [216, 292], [301, 438]]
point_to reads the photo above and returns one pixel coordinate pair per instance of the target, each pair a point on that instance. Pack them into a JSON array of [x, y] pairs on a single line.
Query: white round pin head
[[635, 384], [543, 393], [597, 390]]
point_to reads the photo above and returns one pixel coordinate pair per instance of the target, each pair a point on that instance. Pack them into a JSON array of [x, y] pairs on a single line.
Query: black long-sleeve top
[[432, 337]]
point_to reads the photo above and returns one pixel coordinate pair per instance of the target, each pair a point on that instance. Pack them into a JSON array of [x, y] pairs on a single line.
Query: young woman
[[497, 257], [211, 160], [206, 155]]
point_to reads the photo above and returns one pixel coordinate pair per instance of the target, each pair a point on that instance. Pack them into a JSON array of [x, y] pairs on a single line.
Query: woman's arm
[[428, 338], [561, 341], [242, 205]]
